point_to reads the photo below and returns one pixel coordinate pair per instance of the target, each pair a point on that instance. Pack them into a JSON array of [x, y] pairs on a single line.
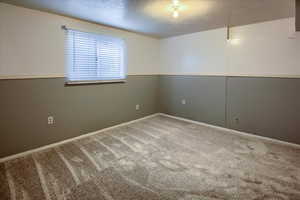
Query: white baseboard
[[70, 140], [231, 131]]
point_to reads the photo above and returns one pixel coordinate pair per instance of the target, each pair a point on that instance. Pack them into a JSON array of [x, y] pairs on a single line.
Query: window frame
[[83, 82]]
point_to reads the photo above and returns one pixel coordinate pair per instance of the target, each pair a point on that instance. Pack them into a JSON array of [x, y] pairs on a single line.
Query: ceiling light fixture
[[175, 8]]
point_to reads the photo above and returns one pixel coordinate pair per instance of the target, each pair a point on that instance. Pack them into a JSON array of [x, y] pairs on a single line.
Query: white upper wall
[[197, 53], [32, 44], [263, 49]]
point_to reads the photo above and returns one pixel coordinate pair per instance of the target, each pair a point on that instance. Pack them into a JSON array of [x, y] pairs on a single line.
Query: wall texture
[[32, 44], [263, 49], [26, 104], [204, 96], [198, 53], [264, 106], [217, 78]]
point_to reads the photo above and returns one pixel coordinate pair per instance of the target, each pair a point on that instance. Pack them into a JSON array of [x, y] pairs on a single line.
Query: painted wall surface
[[26, 104], [265, 106], [198, 53], [32, 43], [204, 97], [263, 49]]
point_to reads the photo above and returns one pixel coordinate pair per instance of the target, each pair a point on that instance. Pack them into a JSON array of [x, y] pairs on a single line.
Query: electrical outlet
[[183, 101], [237, 120], [137, 106], [50, 120]]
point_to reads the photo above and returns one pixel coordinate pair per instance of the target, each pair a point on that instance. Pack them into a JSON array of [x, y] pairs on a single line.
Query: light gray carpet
[[157, 158]]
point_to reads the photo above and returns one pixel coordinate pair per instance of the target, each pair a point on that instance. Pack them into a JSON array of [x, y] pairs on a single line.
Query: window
[[94, 58]]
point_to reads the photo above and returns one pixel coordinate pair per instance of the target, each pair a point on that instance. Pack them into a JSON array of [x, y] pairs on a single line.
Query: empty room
[[149, 99]]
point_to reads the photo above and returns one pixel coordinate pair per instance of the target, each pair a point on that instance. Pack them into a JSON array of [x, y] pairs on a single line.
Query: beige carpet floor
[[156, 158]]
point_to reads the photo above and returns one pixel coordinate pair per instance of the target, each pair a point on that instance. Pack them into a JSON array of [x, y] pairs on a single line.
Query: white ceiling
[[153, 17]]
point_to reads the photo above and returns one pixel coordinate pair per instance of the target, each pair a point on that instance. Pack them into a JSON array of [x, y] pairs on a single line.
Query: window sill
[[94, 82]]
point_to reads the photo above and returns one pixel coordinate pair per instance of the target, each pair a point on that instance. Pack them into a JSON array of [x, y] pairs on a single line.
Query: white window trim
[[125, 60]]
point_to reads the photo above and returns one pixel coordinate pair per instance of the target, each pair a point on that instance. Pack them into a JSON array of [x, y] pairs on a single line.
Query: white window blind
[[92, 57]]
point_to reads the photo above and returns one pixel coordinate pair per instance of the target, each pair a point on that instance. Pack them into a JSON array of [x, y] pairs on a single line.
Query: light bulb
[[175, 8], [175, 14], [176, 2]]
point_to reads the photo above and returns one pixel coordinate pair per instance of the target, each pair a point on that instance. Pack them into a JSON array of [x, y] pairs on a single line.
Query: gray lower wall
[[264, 106], [204, 95], [26, 104]]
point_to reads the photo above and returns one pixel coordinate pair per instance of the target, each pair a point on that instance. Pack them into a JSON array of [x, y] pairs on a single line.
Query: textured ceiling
[[153, 17]]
